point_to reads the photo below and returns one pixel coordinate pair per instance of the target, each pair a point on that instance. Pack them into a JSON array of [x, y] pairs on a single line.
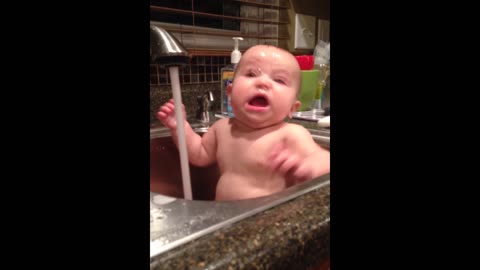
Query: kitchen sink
[[175, 221]]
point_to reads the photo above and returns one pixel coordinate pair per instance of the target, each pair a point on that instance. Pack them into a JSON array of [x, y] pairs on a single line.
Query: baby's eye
[[281, 81], [250, 74]]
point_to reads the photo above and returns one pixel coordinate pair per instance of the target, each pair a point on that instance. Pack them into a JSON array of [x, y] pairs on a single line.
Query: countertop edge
[[293, 235]]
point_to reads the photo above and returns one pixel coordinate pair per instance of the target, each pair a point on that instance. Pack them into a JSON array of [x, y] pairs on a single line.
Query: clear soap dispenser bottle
[[226, 78]]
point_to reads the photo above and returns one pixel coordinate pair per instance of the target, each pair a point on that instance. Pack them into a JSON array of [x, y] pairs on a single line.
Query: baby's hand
[[166, 114], [295, 167]]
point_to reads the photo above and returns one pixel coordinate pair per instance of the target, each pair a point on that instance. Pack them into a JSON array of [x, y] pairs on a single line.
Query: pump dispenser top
[[227, 74], [236, 54]]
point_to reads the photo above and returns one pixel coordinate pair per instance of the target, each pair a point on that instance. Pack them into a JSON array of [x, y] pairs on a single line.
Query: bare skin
[[257, 152]]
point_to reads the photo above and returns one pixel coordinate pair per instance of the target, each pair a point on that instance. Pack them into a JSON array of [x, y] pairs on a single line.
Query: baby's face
[[265, 87]]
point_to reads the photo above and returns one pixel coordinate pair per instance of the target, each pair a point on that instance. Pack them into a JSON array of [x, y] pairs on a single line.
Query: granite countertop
[[292, 235]]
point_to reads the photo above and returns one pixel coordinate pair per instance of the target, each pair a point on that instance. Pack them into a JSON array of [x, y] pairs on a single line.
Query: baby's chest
[[248, 152]]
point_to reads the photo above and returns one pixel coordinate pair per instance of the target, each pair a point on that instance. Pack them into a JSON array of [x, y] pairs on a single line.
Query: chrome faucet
[[165, 49], [205, 113]]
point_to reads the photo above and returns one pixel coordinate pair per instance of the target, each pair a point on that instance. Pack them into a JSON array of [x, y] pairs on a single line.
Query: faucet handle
[[206, 99], [205, 104], [210, 95]]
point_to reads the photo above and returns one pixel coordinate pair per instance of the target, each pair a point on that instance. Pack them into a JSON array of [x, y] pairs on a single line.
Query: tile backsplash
[[200, 75], [200, 69]]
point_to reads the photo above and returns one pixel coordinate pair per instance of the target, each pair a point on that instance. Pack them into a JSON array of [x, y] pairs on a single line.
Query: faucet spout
[[165, 49]]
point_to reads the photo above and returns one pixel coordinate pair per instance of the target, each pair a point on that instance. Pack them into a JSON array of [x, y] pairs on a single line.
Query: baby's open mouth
[[258, 101]]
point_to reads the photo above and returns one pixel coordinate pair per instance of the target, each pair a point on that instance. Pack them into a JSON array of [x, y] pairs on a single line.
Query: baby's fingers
[[302, 173], [169, 105], [276, 150], [290, 163], [276, 159]]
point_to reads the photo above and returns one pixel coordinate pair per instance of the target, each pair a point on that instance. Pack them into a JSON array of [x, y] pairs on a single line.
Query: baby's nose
[[263, 82]]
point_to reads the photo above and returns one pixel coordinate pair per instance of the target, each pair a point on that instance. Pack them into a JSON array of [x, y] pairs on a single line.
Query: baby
[[257, 152]]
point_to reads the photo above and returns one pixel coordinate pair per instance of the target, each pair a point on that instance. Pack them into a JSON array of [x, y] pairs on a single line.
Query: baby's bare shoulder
[[296, 130], [300, 137], [220, 124], [220, 127]]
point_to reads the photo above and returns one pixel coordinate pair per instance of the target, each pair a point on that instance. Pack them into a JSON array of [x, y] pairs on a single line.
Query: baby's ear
[[229, 89], [294, 108]]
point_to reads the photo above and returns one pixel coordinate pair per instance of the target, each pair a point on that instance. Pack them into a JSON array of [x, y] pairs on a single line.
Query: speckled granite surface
[[293, 235]]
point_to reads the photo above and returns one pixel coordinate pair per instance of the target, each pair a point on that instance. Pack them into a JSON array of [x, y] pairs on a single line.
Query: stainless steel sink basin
[[175, 221], [165, 171]]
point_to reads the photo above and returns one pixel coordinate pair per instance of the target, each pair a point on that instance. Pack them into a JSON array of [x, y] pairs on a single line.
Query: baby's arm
[[201, 150], [299, 157]]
